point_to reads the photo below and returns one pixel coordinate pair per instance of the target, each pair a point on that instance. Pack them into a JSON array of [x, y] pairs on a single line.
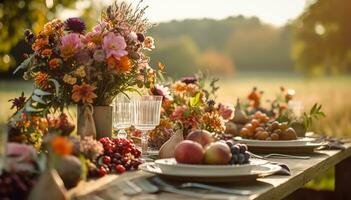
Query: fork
[[278, 155]]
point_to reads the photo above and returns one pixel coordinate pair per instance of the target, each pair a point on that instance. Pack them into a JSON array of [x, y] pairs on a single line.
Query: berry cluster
[[16, 185], [240, 154], [119, 155]]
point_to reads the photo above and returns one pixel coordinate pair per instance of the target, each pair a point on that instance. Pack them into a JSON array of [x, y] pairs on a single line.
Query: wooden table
[[272, 187]]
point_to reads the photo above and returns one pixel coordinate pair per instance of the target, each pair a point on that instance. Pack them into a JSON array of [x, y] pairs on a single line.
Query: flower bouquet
[[73, 66]]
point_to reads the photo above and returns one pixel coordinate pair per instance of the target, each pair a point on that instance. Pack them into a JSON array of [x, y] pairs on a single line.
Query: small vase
[[103, 121], [98, 118]]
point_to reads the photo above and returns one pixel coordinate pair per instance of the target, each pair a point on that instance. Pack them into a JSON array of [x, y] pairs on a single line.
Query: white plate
[[256, 171], [170, 166], [304, 141]]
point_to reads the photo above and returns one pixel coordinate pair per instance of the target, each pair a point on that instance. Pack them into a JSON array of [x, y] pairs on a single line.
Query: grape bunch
[[119, 155], [16, 185], [240, 154]]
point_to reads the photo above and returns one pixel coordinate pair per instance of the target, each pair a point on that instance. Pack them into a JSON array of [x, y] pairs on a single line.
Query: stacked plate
[[170, 169], [301, 145]]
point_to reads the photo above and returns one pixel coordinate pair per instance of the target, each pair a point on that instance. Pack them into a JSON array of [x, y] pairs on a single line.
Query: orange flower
[[179, 87], [84, 93], [41, 80], [124, 64], [61, 145], [40, 43], [120, 66], [46, 52], [54, 63]]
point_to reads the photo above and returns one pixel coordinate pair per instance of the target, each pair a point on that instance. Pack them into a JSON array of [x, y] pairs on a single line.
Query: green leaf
[[194, 101], [40, 92], [38, 99], [57, 85], [24, 64]]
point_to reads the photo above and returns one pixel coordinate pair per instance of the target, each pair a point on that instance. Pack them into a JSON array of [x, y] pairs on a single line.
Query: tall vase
[[103, 121], [95, 121]]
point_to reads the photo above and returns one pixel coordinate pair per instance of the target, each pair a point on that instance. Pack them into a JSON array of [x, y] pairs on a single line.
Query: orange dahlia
[[41, 80], [84, 93]]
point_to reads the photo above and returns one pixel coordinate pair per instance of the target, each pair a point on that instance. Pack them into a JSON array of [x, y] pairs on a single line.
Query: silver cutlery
[[278, 155], [128, 188], [167, 186], [215, 188]]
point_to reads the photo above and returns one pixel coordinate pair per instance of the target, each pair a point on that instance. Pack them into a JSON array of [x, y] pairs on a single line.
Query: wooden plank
[[342, 180], [273, 187]]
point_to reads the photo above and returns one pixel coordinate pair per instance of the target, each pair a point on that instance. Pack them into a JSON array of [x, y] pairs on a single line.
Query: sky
[[276, 12]]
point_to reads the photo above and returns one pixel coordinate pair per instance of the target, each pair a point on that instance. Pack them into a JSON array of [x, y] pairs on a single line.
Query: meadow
[[332, 92]]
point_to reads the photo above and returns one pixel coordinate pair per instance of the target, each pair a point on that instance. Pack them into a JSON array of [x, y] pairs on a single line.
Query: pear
[[239, 115], [168, 148]]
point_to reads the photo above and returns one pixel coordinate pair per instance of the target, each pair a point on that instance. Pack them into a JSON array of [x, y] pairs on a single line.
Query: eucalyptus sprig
[[315, 113]]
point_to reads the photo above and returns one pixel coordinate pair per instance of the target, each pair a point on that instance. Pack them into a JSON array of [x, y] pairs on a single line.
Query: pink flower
[[96, 35], [70, 45], [226, 111], [114, 45]]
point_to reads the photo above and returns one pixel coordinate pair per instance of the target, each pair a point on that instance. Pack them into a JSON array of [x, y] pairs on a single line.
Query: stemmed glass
[[3, 142], [122, 114], [147, 111]]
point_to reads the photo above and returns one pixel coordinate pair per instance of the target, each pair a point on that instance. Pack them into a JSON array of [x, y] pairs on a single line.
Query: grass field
[[332, 93]]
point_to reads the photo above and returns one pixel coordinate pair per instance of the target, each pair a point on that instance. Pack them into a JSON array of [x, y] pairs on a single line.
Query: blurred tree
[[322, 38], [179, 54], [18, 15], [216, 63]]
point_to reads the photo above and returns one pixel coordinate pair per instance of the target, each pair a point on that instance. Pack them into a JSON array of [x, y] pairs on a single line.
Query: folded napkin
[[332, 143], [284, 169]]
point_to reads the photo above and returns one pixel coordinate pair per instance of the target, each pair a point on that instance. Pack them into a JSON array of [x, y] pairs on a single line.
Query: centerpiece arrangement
[[73, 66]]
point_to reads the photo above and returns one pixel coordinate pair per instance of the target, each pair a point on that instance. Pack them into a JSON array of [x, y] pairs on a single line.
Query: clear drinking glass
[[147, 111], [3, 143], [122, 114], [297, 107]]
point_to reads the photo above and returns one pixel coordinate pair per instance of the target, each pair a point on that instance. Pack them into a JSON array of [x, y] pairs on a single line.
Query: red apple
[[202, 137], [217, 153], [189, 152]]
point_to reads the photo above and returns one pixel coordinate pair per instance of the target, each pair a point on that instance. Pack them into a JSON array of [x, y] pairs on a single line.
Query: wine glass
[[296, 107], [147, 111], [122, 114], [3, 142]]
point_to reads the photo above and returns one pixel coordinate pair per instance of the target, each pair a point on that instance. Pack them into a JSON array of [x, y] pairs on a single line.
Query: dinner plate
[[303, 141], [170, 165], [256, 172], [301, 145]]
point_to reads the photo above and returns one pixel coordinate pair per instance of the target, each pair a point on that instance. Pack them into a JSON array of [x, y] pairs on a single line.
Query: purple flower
[[114, 45], [75, 25], [189, 80], [83, 57], [18, 102]]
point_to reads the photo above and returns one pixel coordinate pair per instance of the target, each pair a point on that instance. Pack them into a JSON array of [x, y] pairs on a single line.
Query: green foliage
[[315, 113], [321, 42]]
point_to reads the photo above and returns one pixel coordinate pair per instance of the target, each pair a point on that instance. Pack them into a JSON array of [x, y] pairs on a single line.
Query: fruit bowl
[[170, 165]]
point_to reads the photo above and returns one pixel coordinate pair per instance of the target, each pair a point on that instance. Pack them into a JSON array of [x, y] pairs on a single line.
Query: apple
[[202, 137], [217, 153], [189, 152]]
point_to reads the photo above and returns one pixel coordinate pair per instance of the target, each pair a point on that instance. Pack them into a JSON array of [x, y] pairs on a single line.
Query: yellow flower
[[179, 87], [84, 93], [69, 79], [80, 71]]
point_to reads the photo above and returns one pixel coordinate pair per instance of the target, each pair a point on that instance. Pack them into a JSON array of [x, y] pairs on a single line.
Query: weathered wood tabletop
[[272, 187]]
